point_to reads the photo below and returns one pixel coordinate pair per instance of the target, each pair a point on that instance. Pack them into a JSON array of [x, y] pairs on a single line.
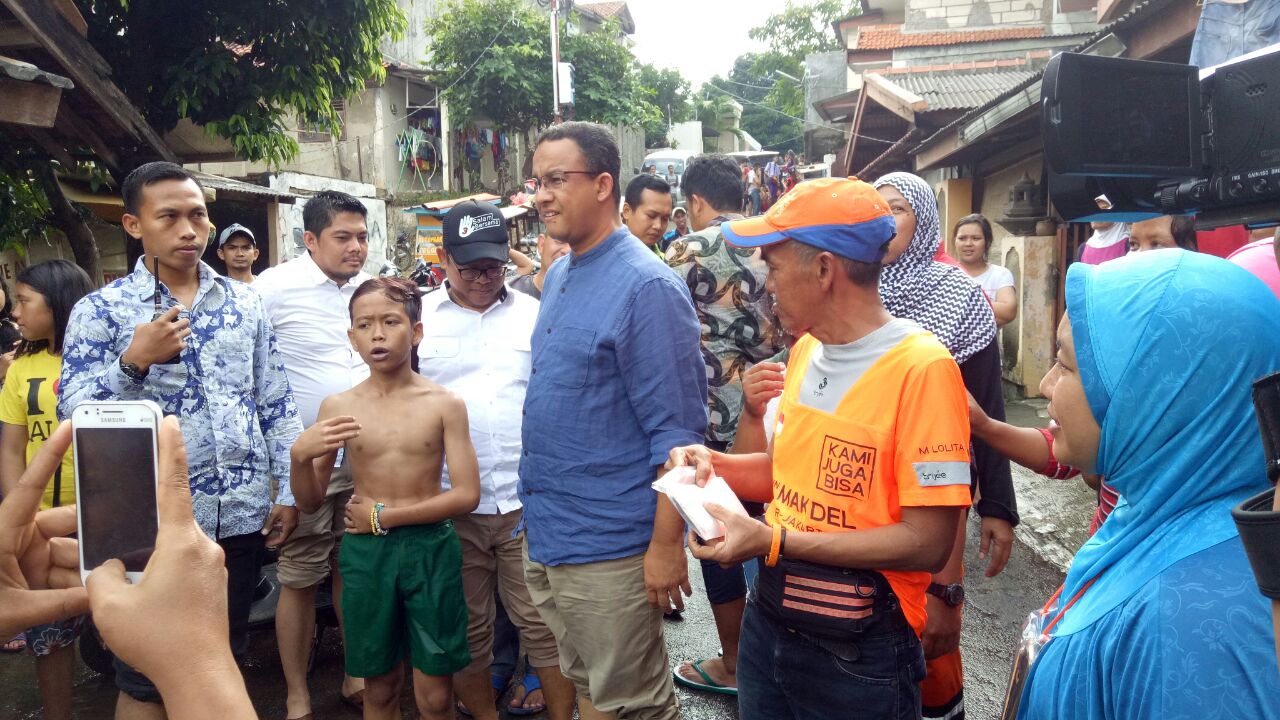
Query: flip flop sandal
[[16, 644], [708, 685], [355, 700], [529, 683]]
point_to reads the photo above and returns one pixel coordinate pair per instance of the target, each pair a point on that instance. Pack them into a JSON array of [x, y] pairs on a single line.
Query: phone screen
[[117, 495]]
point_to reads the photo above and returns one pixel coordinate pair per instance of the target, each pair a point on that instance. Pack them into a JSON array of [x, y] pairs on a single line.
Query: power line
[[807, 122], [459, 79]]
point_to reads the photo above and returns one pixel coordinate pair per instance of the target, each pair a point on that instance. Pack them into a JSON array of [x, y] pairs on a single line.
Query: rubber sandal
[[708, 685], [15, 645], [530, 682], [355, 700]]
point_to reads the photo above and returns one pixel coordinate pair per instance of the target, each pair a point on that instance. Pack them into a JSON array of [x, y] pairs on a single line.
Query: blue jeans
[[785, 675]]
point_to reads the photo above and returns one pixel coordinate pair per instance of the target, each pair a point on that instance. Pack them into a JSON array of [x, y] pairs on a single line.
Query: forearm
[[448, 504], [216, 694], [668, 526], [750, 436], [902, 546], [306, 487], [1024, 446], [12, 465], [953, 572], [749, 476]]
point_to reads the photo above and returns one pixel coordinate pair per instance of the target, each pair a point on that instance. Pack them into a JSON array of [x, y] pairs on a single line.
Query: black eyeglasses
[[556, 180], [473, 274]]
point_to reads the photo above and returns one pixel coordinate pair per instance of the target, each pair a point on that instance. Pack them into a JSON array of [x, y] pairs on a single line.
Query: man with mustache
[[307, 301]]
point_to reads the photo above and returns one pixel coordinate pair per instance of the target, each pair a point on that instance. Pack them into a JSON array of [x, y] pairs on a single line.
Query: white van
[[663, 158]]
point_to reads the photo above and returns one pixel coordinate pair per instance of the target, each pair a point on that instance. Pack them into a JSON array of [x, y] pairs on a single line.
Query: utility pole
[[555, 60]]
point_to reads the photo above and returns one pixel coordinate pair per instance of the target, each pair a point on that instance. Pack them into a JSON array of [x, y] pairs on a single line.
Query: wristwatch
[[952, 594], [133, 372]]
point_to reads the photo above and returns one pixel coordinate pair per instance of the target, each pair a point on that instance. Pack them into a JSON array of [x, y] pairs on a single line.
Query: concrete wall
[[1027, 343], [287, 225], [825, 75]]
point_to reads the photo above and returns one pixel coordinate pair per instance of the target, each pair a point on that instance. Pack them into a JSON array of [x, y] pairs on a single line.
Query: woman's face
[[971, 244], [1075, 431], [32, 314], [905, 219]]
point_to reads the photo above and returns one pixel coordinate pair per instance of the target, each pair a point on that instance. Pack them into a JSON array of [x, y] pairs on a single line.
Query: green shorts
[[404, 588]]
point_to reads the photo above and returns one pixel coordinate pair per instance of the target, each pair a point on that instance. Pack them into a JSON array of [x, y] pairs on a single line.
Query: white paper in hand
[[689, 500]]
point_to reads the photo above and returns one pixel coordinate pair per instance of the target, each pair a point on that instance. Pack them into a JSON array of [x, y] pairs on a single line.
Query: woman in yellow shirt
[[43, 298]]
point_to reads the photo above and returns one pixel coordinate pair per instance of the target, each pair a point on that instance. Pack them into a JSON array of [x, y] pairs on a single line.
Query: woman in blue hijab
[[1152, 390]]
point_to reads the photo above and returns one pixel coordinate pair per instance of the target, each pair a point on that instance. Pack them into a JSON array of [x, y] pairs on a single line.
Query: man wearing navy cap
[[239, 251], [476, 343]]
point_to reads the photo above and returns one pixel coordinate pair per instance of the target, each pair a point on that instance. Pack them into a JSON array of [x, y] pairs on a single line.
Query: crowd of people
[[473, 467]]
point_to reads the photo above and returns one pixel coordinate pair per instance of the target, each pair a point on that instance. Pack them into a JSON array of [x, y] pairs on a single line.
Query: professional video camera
[[1128, 139]]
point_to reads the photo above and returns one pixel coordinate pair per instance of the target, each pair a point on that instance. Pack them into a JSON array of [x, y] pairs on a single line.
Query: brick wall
[[968, 14]]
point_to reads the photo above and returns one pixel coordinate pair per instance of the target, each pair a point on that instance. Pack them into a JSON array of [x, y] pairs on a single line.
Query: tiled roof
[[605, 9], [889, 37], [959, 91]]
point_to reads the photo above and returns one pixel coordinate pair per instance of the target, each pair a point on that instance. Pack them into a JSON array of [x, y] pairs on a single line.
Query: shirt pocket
[[566, 360]]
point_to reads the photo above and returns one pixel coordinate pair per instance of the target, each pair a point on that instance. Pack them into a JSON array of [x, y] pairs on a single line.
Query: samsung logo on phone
[[113, 420]]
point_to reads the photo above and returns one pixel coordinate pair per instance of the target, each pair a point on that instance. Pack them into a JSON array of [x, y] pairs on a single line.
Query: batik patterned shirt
[[739, 327], [229, 389]]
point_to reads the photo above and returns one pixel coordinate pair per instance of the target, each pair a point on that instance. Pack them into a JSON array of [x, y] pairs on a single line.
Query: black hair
[[1183, 229], [982, 222], [321, 207], [148, 174], [862, 274], [715, 178], [598, 147], [397, 290], [642, 182], [62, 283]]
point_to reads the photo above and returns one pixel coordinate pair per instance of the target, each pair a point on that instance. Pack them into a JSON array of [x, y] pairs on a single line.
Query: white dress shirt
[[310, 314], [484, 357]]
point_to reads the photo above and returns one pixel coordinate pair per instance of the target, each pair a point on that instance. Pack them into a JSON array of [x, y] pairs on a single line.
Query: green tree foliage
[[799, 29], [756, 90], [669, 92], [607, 84], [495, 57], [242, 68], [803, 28]]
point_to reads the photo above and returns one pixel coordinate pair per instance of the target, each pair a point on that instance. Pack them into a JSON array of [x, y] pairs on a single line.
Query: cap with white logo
[[475, 231]]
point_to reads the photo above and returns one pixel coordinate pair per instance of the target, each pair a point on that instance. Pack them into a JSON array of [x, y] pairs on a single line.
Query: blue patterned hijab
[[1168, 344]]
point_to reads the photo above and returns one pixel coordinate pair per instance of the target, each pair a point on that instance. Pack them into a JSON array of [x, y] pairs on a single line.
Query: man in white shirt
[[307, 302], [476, 344]]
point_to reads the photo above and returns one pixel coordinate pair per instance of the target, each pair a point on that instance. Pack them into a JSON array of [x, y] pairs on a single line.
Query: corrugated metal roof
[[217, 182], [959, 91]]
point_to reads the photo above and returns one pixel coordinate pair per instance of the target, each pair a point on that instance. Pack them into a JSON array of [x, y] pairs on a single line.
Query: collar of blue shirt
[[601, 250]]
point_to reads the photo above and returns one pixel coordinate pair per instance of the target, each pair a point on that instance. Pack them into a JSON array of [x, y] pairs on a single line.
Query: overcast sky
[[700, 38]]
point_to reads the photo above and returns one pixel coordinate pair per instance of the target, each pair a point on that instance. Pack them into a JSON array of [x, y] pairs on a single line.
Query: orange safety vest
[[900, 436]]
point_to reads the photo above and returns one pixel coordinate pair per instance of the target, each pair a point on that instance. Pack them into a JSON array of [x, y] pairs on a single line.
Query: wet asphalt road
[[1055, 514], [993, 614]]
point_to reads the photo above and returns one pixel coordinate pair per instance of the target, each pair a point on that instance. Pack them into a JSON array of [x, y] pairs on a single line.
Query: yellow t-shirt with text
[[30, 399]]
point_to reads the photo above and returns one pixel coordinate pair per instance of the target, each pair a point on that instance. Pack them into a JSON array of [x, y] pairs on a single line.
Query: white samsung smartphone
[[116, 471]]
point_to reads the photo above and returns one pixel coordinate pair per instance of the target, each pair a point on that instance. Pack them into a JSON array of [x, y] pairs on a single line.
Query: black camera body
[[1128, 139]]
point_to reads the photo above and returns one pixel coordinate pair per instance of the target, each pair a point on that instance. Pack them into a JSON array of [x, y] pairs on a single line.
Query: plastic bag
[[1034, 636], [689, 500]]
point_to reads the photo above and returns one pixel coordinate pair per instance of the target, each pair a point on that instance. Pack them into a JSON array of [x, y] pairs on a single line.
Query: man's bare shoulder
[[438, 395]]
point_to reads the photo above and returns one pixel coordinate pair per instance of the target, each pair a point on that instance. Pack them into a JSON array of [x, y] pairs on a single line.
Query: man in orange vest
[[867, 476]]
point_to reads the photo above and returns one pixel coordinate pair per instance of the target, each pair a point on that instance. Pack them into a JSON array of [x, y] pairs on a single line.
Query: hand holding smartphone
[[116, 474]]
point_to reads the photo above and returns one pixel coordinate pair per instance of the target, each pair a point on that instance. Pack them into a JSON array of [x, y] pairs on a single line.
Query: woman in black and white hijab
[[942, 299]]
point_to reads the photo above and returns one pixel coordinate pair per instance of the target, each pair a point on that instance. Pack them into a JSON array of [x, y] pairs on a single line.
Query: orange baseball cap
[[845, 216]]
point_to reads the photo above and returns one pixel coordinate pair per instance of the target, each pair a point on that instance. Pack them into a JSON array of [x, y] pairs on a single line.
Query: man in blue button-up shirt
[[617, 380], [211, 359]]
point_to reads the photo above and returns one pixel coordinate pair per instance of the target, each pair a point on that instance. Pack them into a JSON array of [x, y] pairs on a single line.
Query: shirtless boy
[[401, 562]]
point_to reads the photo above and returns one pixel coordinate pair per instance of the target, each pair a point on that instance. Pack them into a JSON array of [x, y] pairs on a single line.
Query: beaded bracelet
[[375, 519]]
